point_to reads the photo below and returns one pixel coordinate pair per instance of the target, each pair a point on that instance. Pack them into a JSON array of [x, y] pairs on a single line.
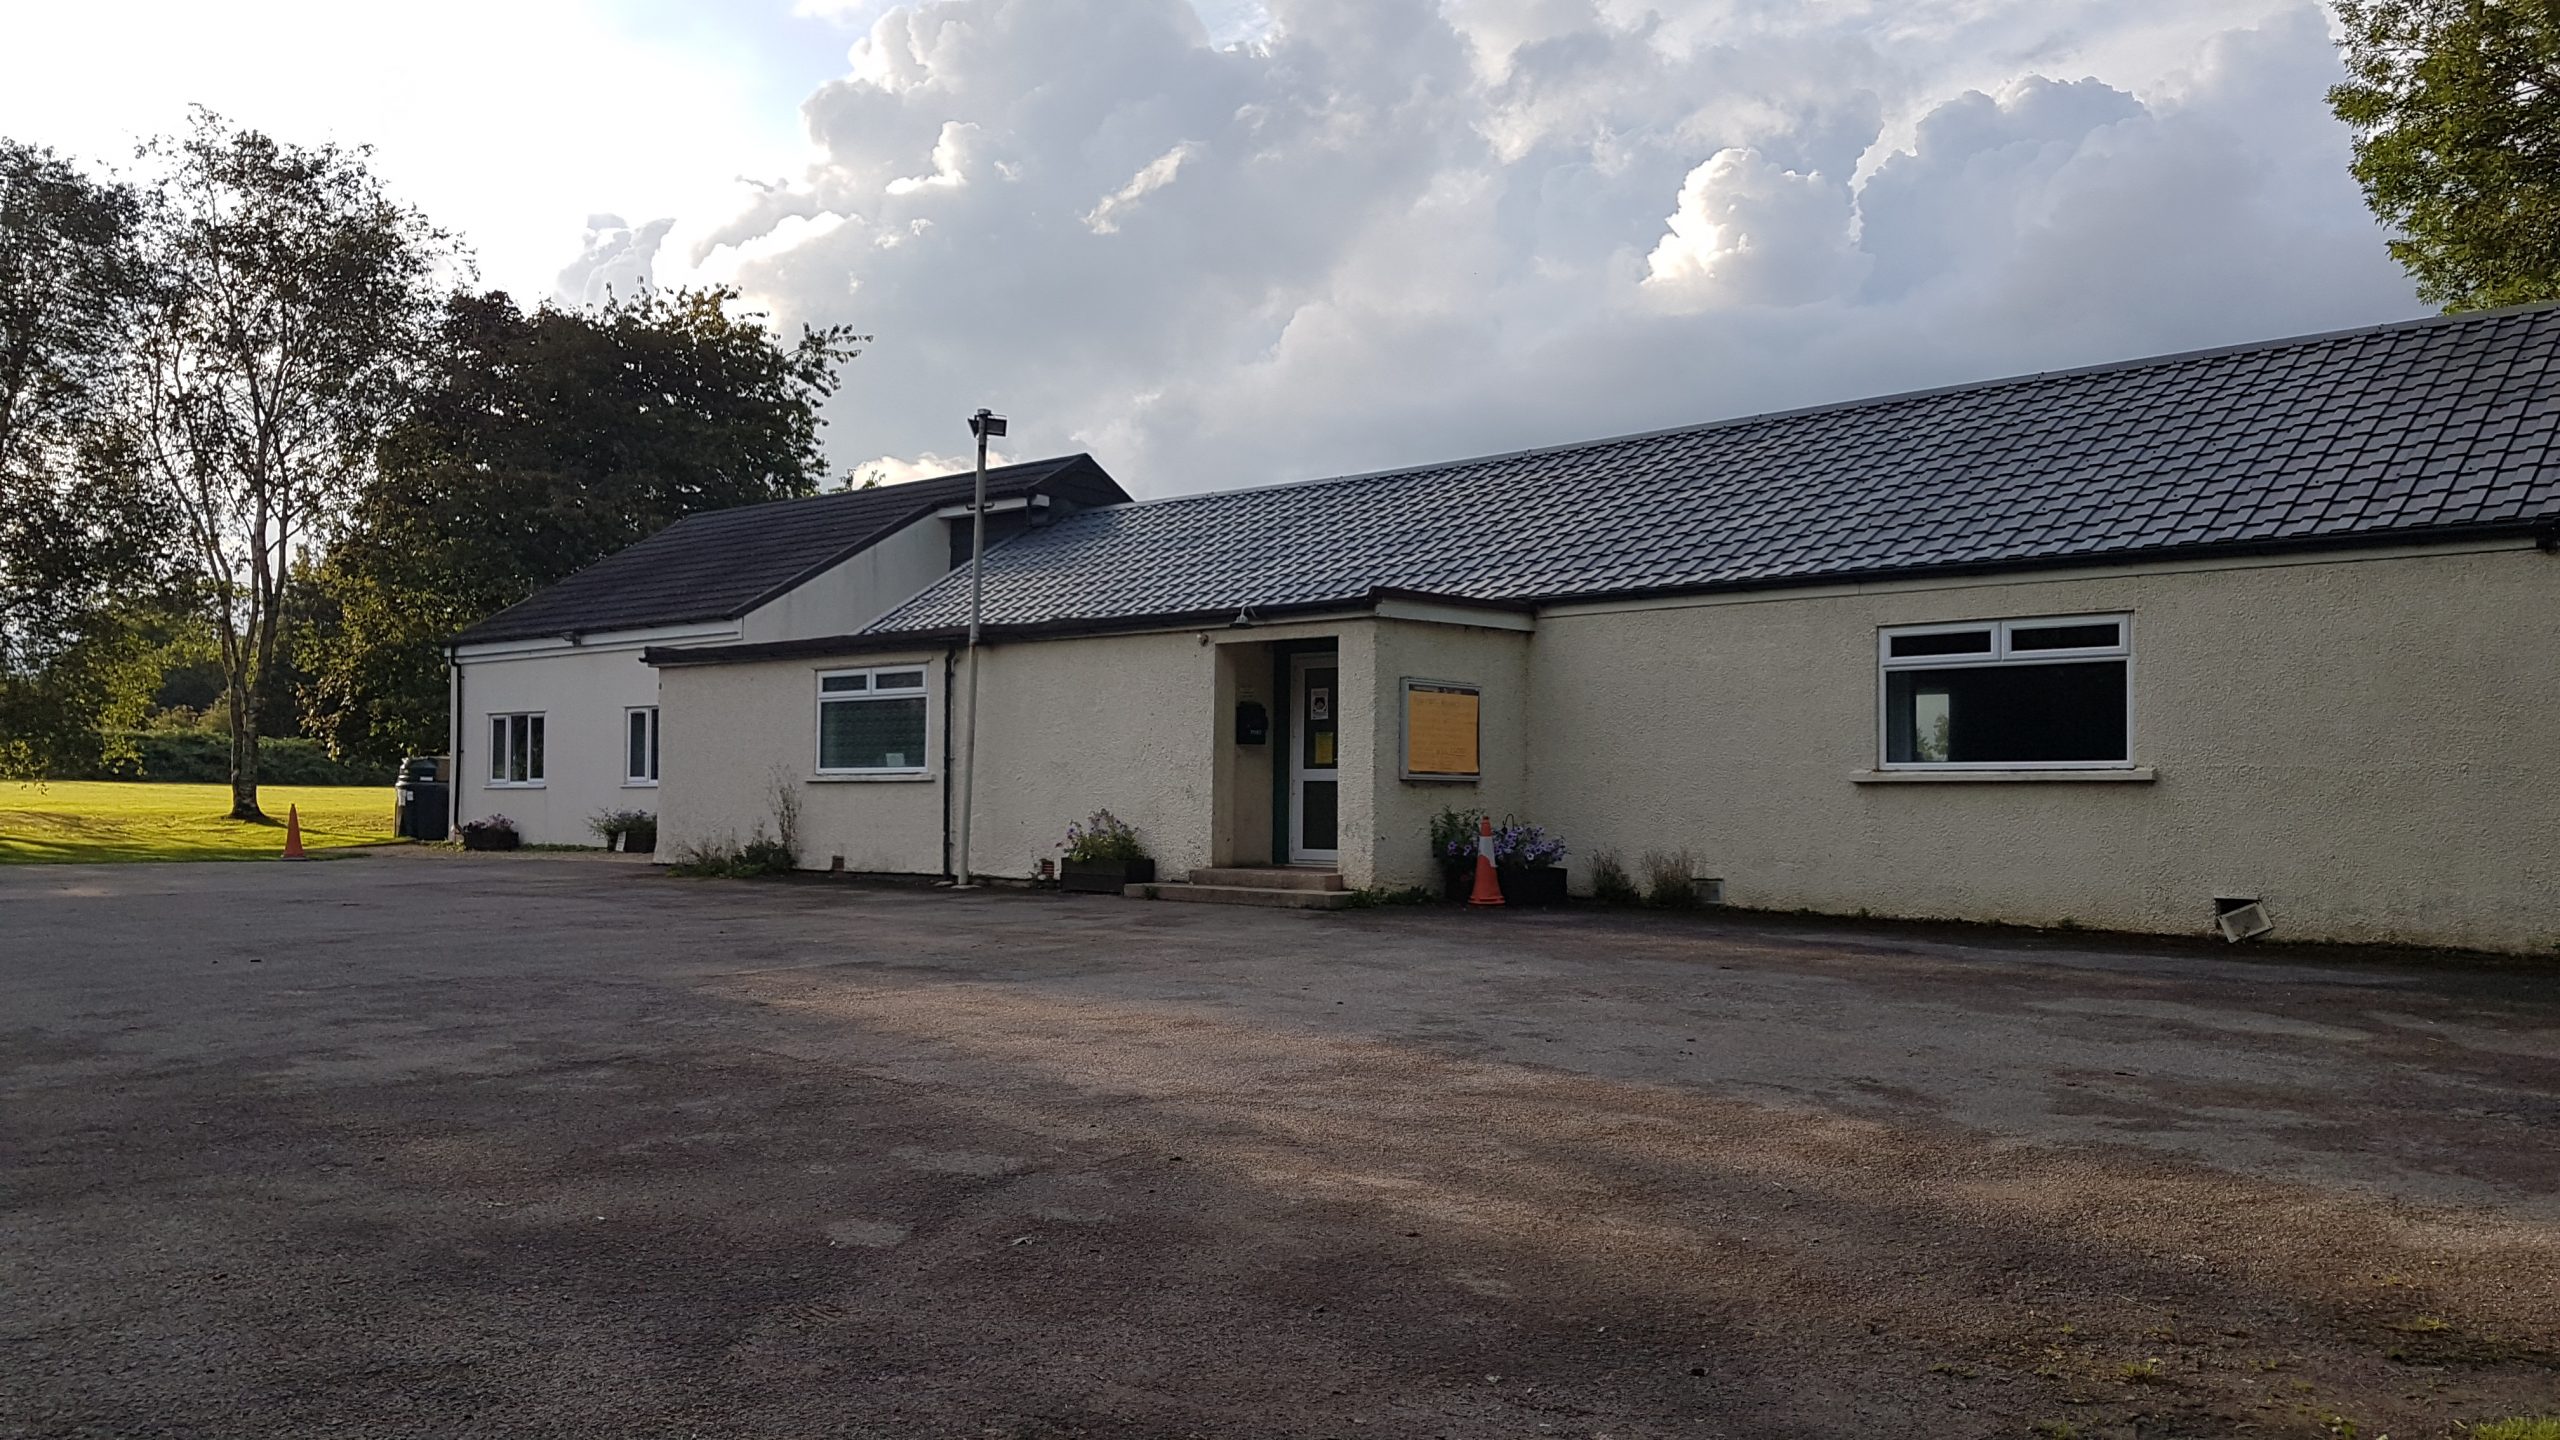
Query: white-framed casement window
[[640, 745], [515, 749], [2054, 693], [872, 722]]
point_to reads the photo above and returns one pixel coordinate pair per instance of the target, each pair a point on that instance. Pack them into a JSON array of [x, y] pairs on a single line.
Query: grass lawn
[[88, 820]]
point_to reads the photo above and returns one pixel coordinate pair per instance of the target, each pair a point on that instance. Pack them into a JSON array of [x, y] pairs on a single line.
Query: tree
[[76, 526], [2456, 110], [291, 297], [538, 444]]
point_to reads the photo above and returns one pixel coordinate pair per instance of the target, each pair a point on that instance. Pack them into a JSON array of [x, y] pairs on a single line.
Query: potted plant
[[1453, 848], [633, 832], [490, 832], [1104, 856], [1529, 863]]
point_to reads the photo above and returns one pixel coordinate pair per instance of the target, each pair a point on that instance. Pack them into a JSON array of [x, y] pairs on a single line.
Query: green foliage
[[77, 527], [66, 717], [1667, 881], [1453, 836], [762, 856], [288, 301], [1104, 836], [2455, 106], [200, 757], [537, 444], [1609, 882]]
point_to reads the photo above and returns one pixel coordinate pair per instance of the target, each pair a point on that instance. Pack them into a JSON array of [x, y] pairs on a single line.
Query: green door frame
[[1284, 716]]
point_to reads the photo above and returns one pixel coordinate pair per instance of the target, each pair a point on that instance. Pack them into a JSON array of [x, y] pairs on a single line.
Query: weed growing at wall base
[[1377, 896], [773, 851], [726, 859]]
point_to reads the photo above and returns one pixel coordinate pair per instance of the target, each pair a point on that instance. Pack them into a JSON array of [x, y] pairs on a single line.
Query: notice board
[[1443, 730]]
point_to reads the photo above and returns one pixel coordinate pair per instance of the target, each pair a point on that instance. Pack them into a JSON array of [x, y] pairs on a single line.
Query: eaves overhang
[[1371, 603]]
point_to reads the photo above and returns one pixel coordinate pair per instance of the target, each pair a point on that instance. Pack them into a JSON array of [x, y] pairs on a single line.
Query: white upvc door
[[1315, 740]]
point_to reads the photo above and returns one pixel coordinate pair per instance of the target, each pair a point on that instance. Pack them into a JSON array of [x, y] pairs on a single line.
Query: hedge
[[201, 758]]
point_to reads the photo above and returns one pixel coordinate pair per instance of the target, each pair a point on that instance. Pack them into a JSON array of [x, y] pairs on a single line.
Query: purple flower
[[1525, 845]]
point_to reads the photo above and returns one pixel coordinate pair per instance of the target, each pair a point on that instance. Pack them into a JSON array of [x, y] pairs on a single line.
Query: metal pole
[[977, 602]]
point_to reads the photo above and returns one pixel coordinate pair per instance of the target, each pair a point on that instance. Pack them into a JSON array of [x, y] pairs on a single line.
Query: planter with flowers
[[490, 832], [1530, 864], [1453, 847], [1526, 859], [1104, 856]]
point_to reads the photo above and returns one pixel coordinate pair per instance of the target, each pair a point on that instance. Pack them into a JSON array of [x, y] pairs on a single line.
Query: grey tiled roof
[[720, 564], [2428, 426]]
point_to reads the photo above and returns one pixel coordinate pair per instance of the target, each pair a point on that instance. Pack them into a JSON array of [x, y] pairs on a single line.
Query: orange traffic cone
[[1488, 889], [293, 833]]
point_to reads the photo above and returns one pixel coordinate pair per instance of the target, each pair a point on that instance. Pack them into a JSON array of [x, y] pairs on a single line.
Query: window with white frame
[[640, 745], [871, 722], [515, 749], [2052, 693]]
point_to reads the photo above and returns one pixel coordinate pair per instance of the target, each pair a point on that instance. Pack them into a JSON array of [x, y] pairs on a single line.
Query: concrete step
[[1270, 877], [1242, 895]]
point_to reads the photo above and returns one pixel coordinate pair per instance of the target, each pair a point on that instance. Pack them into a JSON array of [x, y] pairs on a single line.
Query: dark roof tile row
[[2452, 422], [720, 564]]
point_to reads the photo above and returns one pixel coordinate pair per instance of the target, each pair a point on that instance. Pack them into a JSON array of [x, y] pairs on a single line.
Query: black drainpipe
[[947, 668]]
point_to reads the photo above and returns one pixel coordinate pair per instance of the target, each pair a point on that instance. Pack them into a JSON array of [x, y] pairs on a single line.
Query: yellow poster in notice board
[[1441, 724]]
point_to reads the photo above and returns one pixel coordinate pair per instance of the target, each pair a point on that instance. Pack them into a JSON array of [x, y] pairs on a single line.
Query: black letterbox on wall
[[1253, 723]]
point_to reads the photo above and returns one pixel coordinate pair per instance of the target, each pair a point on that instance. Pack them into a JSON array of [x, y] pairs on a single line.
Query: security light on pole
[[985, 425]]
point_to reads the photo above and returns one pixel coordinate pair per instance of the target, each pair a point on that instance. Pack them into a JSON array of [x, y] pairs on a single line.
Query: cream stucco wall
[[2364, 741], [1141, 725], [735, 734], [584, 688], [583, 694], [1498, 662], [1136, 725]]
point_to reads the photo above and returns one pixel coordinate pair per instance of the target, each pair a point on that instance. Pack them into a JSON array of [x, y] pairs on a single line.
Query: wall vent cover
[[2244, 922]]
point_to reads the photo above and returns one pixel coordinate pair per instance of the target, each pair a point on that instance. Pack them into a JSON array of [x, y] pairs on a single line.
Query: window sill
[[2125, 775], [639, 784], [888, 778], [513, 785]]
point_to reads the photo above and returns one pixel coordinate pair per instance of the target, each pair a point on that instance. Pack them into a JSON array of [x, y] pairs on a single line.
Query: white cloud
[[1227, 241], [1748, 231], [1396, 230], [898, 470], [1104, 219], [616, 261], [950, 162]]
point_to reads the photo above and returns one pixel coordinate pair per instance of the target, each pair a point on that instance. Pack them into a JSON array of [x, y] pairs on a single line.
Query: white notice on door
[[1319, 703]]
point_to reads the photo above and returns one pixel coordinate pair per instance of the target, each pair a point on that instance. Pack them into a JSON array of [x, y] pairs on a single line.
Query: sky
[[1230, 242]]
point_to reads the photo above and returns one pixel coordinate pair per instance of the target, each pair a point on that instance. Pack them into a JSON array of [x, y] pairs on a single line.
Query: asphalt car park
[[405, 1143]]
